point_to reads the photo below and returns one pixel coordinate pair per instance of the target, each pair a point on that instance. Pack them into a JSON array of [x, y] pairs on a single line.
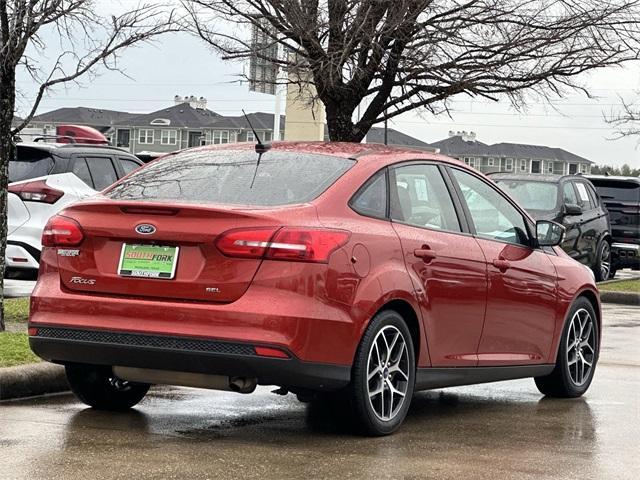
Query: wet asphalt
[[494, 431]]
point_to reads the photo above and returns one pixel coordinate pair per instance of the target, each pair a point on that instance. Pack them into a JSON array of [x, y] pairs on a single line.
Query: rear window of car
[[30, 163], [532, 195], [617, 190], [226, 176]]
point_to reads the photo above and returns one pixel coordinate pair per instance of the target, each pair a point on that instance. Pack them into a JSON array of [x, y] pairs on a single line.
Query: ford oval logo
[[145, 229]]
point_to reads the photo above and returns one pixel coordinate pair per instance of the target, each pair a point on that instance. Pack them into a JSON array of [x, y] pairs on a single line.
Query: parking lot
[[503, 430]]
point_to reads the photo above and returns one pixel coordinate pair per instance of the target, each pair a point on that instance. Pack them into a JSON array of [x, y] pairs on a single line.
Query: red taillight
[[293, 244], [32, 331], [62, 232], [245, 243], [37, 191], [306, 245]]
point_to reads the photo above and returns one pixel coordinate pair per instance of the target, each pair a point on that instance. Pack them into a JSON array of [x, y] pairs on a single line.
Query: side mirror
[[549, 234], [572, 209]]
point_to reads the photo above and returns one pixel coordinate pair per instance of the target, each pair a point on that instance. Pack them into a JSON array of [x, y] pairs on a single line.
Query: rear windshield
[[31, 163], [617, 190], [532, 195], [225, 176]]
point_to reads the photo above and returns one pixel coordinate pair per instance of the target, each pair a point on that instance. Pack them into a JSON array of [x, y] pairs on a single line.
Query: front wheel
[[98, 387], [383, 375], [577, 355]]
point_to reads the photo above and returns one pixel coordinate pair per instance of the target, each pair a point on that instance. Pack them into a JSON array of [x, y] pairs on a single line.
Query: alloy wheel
[[387, 373], [581, 347], [605, 260]]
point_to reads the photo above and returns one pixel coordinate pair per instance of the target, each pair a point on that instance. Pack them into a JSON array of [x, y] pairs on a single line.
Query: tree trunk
[[7, 151], [340, 124]]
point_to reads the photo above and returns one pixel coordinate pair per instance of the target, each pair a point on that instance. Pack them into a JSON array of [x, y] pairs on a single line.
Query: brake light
[[245, 243], [62, 232], [292, 244], [306, 245], [37, 191]]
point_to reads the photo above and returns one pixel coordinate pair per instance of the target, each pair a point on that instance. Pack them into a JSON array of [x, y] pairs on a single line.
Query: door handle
[[501, 264], [425, 253]]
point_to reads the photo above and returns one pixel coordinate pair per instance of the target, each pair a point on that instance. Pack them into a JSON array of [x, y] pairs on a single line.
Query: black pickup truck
[[621, 196]]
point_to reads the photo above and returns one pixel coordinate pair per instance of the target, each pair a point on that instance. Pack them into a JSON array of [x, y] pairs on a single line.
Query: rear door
[[520, 315], [446, 264], [593, 222]]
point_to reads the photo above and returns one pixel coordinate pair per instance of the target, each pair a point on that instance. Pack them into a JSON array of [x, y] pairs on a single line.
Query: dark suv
[[621, 196], [572, 201]]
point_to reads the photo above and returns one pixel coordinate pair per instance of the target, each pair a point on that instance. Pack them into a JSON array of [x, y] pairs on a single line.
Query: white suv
[[45, 178]]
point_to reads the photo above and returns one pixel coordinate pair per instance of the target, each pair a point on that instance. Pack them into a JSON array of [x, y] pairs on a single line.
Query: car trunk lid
[[202, 272]]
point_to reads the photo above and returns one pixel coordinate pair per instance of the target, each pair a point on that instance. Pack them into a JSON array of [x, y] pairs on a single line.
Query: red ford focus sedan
[[351, 271]]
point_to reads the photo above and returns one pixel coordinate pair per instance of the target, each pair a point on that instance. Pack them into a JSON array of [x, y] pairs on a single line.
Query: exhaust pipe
[[186, 379]]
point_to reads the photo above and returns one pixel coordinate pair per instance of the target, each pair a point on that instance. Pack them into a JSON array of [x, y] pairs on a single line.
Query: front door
[[194, 139], [535, 166], [521, 298], [447, 266]]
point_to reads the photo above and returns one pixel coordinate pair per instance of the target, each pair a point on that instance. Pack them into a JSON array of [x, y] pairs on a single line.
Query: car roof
[[534, 177], [617, 178], [356, 151], [70, 148]]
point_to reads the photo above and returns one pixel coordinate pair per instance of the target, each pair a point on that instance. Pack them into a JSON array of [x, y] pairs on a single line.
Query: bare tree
[[401, 55], [626, 122], [87, 42]]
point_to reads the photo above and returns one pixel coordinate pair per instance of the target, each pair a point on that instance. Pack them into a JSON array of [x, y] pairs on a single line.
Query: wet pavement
[[494, 431]]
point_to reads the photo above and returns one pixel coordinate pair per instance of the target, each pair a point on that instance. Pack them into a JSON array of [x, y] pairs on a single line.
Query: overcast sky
[[180, 64]]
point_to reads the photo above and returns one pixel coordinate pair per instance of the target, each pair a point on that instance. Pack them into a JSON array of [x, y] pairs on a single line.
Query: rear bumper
[[22, 255], [625, 255], [185, 354]]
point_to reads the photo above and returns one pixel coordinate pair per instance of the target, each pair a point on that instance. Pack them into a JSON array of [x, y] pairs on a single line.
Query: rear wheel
[[577, 355], [602, 267], [98, 387], [383, 375]]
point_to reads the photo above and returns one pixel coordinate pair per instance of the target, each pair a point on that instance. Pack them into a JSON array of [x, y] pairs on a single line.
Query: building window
[[508, 164], [251, 137], [169, 137], [583, 168], [145, 137], [220, 136], [268, 135], [490, 162], [523, 165], [549, 167], [470, 161]]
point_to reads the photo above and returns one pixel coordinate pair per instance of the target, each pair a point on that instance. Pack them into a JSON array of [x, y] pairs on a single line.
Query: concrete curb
[[624, 298], [32, 379]]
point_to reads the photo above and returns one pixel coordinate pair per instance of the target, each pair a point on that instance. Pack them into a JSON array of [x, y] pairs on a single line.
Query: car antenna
[[261, 148]]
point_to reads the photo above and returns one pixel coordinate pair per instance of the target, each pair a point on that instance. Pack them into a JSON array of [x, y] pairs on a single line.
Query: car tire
[[602, 267], [383, 375], [98, 387], [579, 345]]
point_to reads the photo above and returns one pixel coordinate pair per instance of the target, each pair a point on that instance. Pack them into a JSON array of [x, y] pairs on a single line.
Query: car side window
[[127, 165], [595, 200], [102, 172], [371, 199], [583, 196], [81, 170], [420, 197], [493, 216], [569, 194]]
